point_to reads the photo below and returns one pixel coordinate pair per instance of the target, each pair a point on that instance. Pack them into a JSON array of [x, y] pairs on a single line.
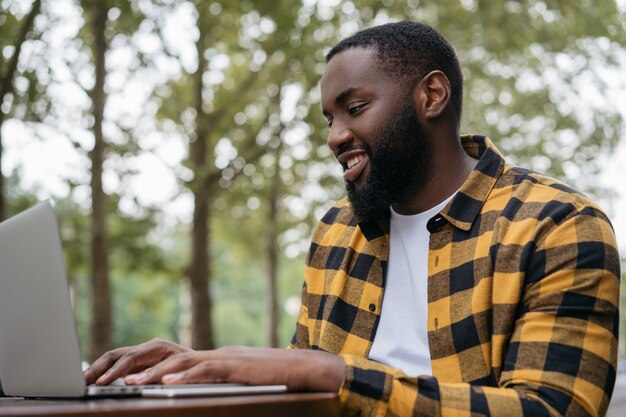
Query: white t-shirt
[[401, 339]]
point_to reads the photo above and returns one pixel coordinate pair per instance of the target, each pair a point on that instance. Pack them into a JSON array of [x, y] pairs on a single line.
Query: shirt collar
[[466, 205]]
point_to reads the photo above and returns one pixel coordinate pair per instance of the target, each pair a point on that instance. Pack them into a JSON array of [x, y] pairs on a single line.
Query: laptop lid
[[39, 352]]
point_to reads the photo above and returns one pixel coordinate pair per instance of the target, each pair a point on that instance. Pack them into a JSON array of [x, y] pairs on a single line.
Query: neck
[[451, 167]]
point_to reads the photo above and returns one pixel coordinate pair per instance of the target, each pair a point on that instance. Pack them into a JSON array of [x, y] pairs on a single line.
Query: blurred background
[[184, 146]]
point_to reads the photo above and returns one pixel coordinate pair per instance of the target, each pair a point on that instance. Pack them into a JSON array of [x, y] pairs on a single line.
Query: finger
[[102, 364], [131, 361], [128, 360], [207, 371], [175, 363], [138, 358]]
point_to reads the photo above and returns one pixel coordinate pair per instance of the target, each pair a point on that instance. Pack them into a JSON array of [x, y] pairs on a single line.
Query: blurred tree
[[65, 85], [143, 280], [108, 26], [15, 32], [96, 12], [273, 253]]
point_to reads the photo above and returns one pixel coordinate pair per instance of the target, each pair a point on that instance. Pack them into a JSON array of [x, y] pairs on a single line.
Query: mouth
[[354, 163]]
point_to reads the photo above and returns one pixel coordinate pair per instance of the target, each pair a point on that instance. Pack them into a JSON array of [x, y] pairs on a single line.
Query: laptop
[[39, 350]]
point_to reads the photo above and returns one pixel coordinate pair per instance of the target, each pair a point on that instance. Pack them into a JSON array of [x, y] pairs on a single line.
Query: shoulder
[[557, 220], [538, 196]]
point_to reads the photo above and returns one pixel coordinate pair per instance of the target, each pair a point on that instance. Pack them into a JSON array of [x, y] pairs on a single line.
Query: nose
[[338, 135]]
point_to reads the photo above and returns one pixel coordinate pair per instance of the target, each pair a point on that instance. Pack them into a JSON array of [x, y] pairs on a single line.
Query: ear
[[432, 94]]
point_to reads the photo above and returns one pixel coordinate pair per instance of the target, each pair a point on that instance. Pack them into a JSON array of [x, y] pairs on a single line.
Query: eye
[[355, 108], [329, 122]]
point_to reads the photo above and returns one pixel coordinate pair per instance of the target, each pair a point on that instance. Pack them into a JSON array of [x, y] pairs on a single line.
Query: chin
[[360, 183]]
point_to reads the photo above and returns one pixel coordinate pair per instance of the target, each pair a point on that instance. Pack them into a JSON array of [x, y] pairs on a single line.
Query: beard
[[400, 166]]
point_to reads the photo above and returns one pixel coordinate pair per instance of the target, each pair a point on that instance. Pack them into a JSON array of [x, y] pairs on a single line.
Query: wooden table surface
[[296, 404]]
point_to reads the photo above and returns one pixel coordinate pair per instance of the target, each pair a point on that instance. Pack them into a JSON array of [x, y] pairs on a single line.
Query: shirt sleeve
[[561, 358]]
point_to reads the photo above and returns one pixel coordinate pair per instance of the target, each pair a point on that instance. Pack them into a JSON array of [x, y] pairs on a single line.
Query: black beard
[[400, 166]]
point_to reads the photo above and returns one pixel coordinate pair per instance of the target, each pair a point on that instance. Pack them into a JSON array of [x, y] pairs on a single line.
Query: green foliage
[[146, 305], [18, 198], [23, 89], [239, 287], [145, 279]]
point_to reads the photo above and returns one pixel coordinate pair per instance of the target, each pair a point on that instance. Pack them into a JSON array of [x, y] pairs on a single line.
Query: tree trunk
[[6, 86], [199, 275], [200, 268], [101, 306], [272, 258]]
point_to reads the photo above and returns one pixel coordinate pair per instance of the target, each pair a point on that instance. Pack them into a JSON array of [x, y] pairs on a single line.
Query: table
[[292, 404]]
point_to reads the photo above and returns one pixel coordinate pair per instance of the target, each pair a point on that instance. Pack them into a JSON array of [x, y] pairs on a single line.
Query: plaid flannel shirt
[[523, 287]]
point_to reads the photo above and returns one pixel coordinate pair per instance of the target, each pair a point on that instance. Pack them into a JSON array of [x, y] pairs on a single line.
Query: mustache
[[346, 147]]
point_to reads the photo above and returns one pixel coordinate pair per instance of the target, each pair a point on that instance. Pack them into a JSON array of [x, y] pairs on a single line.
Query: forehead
[[354, 68]]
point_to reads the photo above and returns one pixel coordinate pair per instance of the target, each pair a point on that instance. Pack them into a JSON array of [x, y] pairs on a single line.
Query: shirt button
[[372, 308]]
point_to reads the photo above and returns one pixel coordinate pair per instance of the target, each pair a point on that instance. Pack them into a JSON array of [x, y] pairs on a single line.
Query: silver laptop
[[39, 351]]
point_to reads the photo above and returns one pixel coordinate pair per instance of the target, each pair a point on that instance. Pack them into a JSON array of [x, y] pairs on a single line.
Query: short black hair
[[411, 50]]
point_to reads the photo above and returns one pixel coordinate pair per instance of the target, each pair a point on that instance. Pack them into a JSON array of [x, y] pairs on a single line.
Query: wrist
[[325, 371]]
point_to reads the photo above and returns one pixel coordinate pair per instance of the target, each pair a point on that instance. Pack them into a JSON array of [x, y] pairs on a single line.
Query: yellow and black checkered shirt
[[523, 286]]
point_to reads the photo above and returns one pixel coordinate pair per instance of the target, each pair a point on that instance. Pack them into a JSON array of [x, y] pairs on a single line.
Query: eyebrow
[[343, 96]]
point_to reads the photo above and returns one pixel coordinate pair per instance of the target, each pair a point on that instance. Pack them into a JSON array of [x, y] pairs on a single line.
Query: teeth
[[353, 161]]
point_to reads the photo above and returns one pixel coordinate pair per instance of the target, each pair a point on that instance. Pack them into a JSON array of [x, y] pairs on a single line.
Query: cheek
[[370, 128]]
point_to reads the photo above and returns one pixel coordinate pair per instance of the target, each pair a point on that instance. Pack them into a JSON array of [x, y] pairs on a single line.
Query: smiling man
[[448, 282]]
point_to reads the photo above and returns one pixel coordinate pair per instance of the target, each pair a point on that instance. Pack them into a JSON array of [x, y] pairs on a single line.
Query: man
[[449, 282]]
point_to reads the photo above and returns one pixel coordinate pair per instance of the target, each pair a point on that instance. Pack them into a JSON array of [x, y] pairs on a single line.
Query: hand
[[300, 370], [123, 361]]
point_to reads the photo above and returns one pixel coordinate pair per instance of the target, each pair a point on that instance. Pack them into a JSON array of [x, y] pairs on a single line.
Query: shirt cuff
[[366, 389]]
